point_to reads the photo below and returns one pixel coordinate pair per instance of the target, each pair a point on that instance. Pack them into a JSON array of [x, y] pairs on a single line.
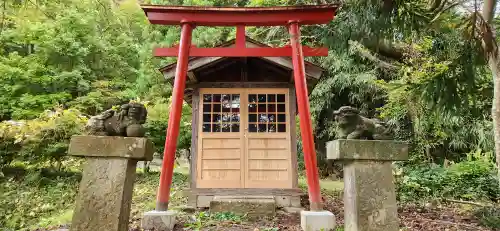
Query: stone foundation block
[[296, 210], [317, 221], [295, 201], [159, 220], [203, 201], [283, 201], [253, 207]]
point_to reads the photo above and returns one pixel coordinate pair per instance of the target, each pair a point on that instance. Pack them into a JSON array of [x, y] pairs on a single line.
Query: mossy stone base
[[253, 207]]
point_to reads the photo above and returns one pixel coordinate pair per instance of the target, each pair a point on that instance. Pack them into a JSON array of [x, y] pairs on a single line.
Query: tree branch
[[362, 51], [386, 48]]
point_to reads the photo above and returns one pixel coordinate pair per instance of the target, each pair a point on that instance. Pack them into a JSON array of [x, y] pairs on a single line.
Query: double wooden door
[[244, 138]]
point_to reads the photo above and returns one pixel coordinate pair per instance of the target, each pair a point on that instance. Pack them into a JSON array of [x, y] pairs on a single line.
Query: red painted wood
[[248, 18], [241, 52], [167, 170], [215, 9], [305, 119], [240, 36]]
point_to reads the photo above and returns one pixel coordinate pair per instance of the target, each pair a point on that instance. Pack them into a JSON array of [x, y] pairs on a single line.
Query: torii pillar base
[[159, 220], [317, 220]]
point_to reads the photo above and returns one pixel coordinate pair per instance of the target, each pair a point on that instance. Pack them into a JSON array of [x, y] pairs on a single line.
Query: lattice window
[[221, 113], [266, 113]]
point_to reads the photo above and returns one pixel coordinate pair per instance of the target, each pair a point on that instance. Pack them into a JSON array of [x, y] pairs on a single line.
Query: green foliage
[[45, 138], [146, 187], [33, 198], [157, 123], [201, 220], [26, 197], [89, 56], [489, 217], [472, 179]]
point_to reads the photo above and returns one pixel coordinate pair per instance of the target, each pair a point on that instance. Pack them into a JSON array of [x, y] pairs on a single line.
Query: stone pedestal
[[105, 193], [317, 221], [369, 190], [159, 220]]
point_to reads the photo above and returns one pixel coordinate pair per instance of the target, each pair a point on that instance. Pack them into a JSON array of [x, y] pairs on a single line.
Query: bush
[[489, 217], [472, 179], [43, 139]]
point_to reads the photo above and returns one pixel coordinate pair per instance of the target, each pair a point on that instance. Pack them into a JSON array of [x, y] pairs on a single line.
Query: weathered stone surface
[[317, 221], [127, 122], [293, 209], [111, 146], [287, 201], [283, 201], [295, 201], [203, 201], [252, 206], [367, 150], [105, 195], [158, 220], [369, 197]]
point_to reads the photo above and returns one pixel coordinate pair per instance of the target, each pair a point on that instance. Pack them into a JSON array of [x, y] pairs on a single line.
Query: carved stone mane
[[127, 122]]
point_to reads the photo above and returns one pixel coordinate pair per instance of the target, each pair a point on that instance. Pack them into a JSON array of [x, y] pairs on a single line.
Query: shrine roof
[[230, 16]]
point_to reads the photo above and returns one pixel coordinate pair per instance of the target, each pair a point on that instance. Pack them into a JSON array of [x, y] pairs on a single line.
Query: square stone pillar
[[105, 193], [369, 190]]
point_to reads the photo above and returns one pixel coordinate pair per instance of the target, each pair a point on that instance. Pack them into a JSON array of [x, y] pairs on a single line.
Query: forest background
[[422, 66]]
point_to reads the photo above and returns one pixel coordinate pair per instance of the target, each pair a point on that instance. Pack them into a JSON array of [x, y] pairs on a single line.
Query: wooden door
[[244, 139], [267, 137], [220, 139]]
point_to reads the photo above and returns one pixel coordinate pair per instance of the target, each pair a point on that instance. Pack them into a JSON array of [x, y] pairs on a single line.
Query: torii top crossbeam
[[232, 16], [189, 17]]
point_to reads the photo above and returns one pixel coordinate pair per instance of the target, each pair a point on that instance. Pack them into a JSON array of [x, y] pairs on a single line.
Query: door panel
[[220, 140], [268, 153], [244, 139]]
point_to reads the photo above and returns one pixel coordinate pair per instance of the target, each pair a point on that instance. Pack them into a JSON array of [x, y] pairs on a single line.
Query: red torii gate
[[189, 17]]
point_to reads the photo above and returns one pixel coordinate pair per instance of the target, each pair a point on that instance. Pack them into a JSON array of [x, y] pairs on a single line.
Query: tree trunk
[[491, 50], [495, 111]]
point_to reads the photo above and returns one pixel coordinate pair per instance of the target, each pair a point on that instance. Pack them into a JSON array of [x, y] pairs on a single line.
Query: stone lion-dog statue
[[351, 125], [127, 122]]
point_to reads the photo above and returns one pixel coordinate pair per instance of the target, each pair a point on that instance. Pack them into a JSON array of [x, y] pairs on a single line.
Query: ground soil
[[413, 218]]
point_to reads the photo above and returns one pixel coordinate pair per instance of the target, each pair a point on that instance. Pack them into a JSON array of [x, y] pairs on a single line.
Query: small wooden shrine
[[244, 130]]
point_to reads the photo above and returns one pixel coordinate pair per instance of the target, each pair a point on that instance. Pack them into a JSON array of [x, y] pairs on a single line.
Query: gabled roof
[[313, 71]]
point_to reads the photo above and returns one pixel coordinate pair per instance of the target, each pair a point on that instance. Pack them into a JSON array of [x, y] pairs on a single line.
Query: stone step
[[252, 206]]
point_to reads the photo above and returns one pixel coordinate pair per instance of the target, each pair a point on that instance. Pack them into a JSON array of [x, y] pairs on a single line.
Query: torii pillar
[[189, 17]]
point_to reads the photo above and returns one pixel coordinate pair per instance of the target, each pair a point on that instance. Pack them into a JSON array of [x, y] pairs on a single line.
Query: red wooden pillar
[[167, 169], [305, 118]]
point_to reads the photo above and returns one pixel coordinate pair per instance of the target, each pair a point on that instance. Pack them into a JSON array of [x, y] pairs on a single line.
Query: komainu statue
[[351, 125], [127, 122]]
